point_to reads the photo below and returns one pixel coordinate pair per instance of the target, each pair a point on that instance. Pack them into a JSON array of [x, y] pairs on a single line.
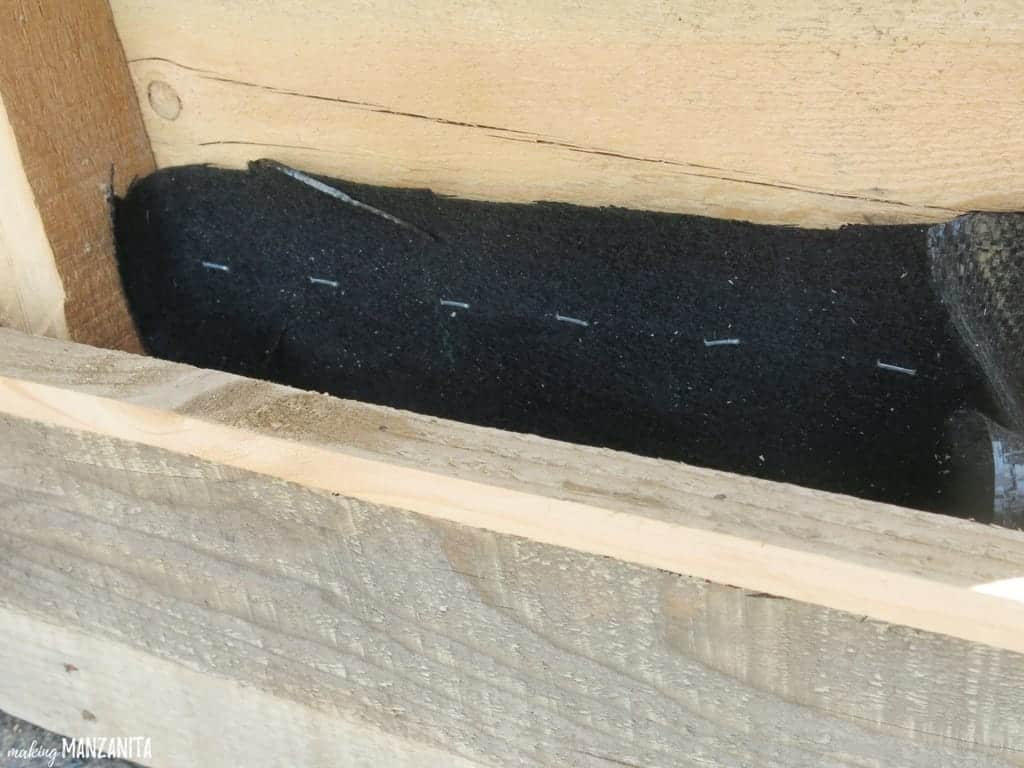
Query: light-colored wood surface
[[31, 293], [703, 532], [202, 604], [72, 111], [812, 114], [92, 685], [934, 547]]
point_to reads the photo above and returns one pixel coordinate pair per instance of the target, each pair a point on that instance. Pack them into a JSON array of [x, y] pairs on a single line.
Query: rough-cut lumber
[[934, 547], [72, 121], [392, 595], [797, 113], [192, 718], [891, 588], [31, 293]]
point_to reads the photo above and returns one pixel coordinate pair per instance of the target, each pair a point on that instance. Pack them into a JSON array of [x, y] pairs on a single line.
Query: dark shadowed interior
[[821, 358]]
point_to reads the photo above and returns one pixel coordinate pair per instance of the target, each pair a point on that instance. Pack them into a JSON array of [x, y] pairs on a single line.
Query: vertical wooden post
[[70, 127]]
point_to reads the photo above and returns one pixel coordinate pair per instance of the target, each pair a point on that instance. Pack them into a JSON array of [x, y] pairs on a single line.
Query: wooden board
[[879, 536], [69, 107], [97, 686], [811, 114], [377, 596], [31, 292], [887, 583]]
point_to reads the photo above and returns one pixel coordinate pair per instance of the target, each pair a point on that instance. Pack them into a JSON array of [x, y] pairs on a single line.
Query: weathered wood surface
[[812, 114], [90, 684], [217, 588], [70, 127], [492, 648], [894, 564]]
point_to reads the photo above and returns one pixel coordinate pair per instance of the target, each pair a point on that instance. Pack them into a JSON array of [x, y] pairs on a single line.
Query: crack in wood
[[257, 144], [368, 105], [532, 137], [735, 179]]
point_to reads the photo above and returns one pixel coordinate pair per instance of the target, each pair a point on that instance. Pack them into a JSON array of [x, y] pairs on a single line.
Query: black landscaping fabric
[[801, 398]]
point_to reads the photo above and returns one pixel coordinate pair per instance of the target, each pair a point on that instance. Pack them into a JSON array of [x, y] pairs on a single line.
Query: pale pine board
[[31, 291], [408, 636], [811, 114], [412, 635], [360, 632], [92, 685], [71, 135], [939, 549]]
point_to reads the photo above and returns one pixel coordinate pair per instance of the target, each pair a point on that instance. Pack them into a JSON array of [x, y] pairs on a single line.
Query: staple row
[[452, 303]]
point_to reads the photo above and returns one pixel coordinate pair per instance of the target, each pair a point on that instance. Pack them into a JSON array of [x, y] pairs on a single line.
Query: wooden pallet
[[246, 572]]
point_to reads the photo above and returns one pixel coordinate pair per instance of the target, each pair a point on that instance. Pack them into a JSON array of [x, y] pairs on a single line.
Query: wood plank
[[816, 115], [96, 686], [70, 106], [31, 292], [938, 548], [173, 584], [896, 583]]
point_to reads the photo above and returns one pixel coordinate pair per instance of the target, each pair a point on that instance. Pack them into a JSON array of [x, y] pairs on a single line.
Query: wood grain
[[72, 110], [191, 717], [626, 528], [202, 605], [938, 548], [811, 114], [31, 292]]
